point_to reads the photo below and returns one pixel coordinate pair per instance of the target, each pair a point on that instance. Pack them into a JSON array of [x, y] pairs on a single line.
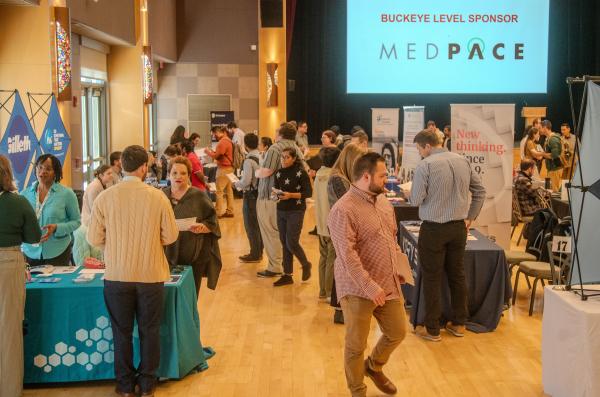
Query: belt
[[445, 223]]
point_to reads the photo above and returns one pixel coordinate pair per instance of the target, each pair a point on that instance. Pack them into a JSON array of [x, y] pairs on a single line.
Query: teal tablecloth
[[69, 337]]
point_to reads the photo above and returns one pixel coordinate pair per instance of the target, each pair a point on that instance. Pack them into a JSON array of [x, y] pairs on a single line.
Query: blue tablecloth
[[69, 337], [488, 282]]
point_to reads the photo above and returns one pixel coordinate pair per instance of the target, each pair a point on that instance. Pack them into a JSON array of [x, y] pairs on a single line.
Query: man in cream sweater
[[132, 222]]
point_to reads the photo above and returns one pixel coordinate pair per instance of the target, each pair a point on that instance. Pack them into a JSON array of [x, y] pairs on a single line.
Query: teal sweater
[[19, 224]]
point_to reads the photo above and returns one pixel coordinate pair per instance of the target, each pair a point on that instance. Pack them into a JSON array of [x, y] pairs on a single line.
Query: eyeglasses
[[44, 168]]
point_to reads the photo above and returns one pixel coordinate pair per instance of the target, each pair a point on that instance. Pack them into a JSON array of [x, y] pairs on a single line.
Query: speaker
[[271, 13]]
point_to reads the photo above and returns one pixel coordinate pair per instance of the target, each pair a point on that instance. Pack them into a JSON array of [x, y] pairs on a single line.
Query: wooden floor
[[282, 342]]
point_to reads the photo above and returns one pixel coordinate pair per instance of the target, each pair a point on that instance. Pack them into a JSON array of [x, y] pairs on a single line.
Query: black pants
[[61, 260], [144, 302], [442, 249], [289, 224], [251, 225]]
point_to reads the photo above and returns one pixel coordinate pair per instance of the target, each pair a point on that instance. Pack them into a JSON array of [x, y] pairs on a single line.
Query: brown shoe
[[380, 380], [456, 330], [422, 332]]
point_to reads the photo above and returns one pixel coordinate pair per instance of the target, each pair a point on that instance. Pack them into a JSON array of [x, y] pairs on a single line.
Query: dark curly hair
[[56, 166]]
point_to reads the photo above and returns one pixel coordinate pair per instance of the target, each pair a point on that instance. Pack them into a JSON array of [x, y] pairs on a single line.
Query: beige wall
[[26, 62], [125, 97]]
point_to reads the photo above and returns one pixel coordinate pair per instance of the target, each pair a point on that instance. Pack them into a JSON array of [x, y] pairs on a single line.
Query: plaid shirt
[[363, 230], [527, 194]]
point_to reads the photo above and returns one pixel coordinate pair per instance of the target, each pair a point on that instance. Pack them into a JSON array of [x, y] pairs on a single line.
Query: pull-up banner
[[484, 134], [414, 120], [55, 139], [19, 144], [384, 126]]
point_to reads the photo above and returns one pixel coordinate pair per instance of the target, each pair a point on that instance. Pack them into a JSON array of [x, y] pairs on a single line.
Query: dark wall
[[217, 31], [318, 65], [161, 28], [113, 17]]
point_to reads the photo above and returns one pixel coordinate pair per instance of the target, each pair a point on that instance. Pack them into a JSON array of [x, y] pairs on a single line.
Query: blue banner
[[19, 143], [55, 139]]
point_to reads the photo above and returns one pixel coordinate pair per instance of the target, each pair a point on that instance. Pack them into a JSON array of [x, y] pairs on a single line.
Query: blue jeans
[[289, 224], [251, 225]]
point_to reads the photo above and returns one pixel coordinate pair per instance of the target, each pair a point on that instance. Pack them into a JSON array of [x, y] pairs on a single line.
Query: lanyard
[[40, 207]]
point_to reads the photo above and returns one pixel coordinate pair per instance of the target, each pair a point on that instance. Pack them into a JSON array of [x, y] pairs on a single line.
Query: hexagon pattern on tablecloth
[[99, 336]]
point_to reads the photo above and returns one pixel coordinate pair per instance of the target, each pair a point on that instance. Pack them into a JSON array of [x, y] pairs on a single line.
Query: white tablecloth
[[570, 344]]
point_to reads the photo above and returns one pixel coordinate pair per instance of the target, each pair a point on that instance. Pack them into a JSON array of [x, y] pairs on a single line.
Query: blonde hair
[[6, 175], [344, 165]]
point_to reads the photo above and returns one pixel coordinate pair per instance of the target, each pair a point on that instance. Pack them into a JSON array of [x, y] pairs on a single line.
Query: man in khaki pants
[[223, 155], [363, 230]]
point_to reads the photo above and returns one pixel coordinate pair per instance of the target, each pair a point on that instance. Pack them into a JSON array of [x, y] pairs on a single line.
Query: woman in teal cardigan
[[57, 212]]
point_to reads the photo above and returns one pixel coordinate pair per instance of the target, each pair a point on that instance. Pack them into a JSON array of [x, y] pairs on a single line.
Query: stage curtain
[[318, 65]]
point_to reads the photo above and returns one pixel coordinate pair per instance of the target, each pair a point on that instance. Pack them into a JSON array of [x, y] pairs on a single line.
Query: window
[[93, 126]]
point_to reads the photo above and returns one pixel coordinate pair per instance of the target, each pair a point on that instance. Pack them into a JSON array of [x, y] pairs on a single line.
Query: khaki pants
[[326, 266], [266, 212], [555, 179], [391, 318], [224, 188], [12, 312]]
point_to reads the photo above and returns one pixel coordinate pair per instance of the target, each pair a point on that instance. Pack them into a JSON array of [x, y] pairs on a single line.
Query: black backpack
[[539, 231]]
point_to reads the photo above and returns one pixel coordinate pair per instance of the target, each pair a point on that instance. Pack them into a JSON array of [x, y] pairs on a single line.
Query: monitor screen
[[450, 47]]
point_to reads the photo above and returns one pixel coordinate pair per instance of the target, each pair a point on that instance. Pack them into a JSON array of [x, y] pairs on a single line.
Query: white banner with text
[[484, 134]]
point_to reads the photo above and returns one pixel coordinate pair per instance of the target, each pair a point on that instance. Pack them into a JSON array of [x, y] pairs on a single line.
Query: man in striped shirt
[[441, 185], [266, 209], [363, 229]]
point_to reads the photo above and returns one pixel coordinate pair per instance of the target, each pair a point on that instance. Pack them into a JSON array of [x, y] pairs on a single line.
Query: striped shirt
[[363, 231], [441, 185], [272, 161]]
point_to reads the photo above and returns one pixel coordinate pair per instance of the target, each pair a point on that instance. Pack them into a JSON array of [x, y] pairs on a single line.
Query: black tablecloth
[[405, 211], [488, 282], [560, 207]]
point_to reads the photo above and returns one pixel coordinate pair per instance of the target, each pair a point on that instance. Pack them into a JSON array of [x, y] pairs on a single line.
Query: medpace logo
[[19, 144], [475, 49]]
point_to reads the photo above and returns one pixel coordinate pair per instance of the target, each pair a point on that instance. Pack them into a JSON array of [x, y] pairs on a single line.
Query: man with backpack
[[249, 185], [224, 156]]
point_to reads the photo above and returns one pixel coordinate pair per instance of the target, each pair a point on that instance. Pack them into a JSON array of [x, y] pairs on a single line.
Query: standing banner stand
[[586, 179], [384, 126], [20, 144], [484, 134], [414, 122], [55, 138]]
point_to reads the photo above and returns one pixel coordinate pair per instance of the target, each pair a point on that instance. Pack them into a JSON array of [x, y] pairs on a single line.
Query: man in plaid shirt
[[527, 194], [363, 229]]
